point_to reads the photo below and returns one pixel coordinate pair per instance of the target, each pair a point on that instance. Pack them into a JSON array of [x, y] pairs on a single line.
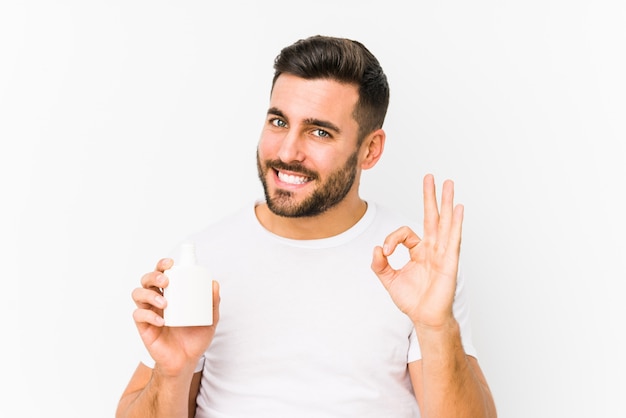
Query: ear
[[372, 149]]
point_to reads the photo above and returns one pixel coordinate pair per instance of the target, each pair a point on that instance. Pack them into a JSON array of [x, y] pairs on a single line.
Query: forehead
[[316, 98]]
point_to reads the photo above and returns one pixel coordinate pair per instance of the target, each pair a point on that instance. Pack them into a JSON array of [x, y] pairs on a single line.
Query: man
[[305, 328]]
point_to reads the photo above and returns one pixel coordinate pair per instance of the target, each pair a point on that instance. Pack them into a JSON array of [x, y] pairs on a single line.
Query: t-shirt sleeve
[[147, 360]]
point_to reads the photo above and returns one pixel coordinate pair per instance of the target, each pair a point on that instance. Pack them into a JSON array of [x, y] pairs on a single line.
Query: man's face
[[307, 156]]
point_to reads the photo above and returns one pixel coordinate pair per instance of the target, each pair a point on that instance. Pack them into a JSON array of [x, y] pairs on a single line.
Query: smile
[[291, 179]]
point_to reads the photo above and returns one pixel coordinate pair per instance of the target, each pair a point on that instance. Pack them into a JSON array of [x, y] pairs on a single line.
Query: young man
[[305, 327]]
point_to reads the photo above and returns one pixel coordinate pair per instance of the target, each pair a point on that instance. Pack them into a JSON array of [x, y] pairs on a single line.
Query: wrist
[[439, 334], [173, 372]]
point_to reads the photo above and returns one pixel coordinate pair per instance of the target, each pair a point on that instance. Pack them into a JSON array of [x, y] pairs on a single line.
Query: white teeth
[[287, 178]]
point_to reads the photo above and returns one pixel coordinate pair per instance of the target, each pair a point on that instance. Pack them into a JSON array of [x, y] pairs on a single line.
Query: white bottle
[[189, 294]]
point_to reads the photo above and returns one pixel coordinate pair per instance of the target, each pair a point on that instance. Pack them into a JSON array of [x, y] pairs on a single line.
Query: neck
[[332, 222]]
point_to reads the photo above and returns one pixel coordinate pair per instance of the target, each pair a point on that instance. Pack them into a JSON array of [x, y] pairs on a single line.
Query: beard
[[325, 196]]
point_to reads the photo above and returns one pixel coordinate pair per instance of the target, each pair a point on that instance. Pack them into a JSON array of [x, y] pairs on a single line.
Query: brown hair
[[345, 61]]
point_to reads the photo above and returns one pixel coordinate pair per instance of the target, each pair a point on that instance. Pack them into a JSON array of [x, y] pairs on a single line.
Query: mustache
[[293, 167]]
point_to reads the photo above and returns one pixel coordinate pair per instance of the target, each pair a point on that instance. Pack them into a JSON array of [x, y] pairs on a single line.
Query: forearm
[[163, 396], [452, 387]]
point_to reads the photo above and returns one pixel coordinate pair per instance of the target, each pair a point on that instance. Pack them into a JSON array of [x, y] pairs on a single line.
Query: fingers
[[380, 264], [441, 227], [216, 302], [149, 297], [150, 304], [445, 215], [156, 279], [148, 316], [164, 264], [405, 236], [457, 226], [431, 210]]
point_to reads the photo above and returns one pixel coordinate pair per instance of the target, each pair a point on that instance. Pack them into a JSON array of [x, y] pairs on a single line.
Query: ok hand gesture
[[424, 287]]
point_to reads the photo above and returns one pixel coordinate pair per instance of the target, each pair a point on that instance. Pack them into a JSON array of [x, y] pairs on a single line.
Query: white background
[[125, 125]]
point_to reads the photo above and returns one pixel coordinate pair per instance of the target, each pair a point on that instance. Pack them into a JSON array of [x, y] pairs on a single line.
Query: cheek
[[268, 146]]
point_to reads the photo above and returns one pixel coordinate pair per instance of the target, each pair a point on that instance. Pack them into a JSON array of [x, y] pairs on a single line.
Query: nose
[[291, 147]]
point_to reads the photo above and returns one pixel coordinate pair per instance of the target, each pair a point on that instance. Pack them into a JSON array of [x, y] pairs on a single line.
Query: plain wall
[[125, 125]]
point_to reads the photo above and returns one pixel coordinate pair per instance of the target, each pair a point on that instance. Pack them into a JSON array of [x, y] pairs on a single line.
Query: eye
[[321, 133], [278, 122]]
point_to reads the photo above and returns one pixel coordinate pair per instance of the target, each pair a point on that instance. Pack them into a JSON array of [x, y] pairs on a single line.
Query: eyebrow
[[308, 121]]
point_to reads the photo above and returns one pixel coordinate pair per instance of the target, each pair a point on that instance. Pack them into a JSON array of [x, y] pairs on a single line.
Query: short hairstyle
[[346, 61]]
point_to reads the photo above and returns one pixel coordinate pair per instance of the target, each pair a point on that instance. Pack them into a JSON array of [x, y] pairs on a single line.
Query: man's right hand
[[173, 349]]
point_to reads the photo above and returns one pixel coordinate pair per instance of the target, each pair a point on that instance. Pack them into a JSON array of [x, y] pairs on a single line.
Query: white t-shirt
[[306, 328]]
